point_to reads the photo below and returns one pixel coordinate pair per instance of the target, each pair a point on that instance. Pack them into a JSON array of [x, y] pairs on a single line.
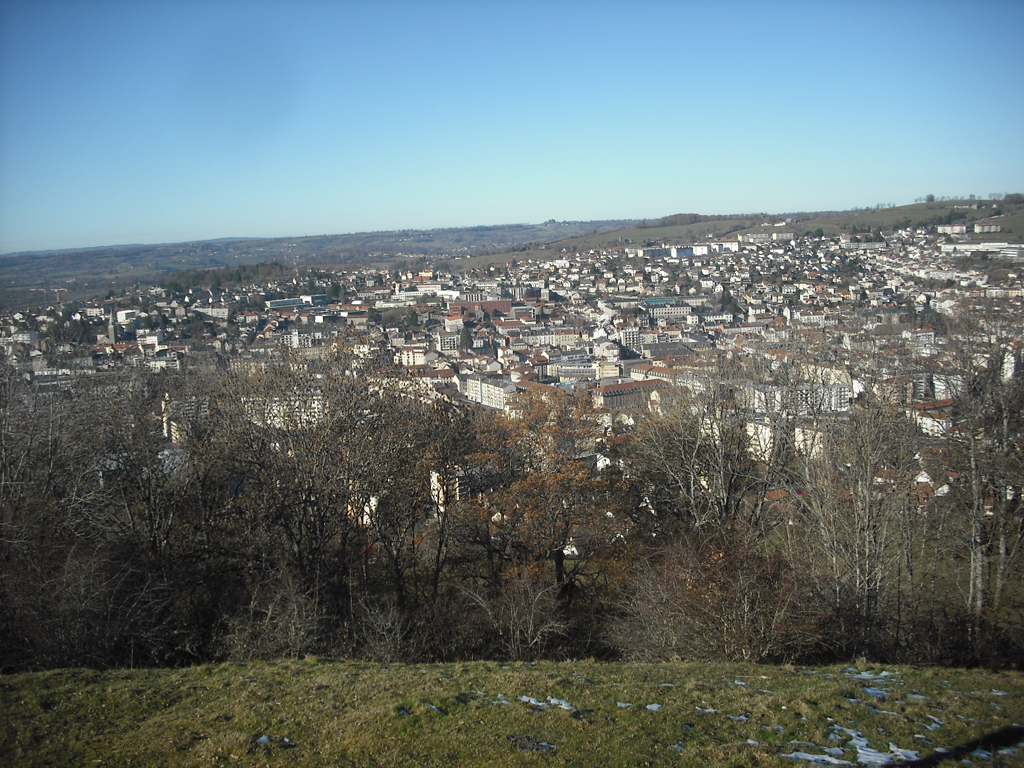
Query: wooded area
[[329, 507]]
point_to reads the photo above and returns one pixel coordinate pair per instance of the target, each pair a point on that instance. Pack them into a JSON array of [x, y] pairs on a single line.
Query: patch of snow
[[532, 701], [819, 759], [561, 704], [878, 711], [868, 756], [905, 754], [856, 674]]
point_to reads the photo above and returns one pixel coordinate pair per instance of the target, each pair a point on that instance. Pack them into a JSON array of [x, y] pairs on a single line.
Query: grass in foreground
[[312, 713]]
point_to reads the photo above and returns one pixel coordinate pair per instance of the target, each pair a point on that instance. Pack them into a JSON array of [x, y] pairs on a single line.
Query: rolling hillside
[[96, 271], [831, 224], [28, 278]]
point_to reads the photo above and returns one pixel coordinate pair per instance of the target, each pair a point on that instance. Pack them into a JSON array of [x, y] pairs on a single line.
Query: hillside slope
[[91, 271], [831, 224], [309, 713]]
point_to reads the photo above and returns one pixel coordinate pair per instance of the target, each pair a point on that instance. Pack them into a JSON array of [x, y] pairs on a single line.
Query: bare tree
[[857, 494], [524, 614], [982, 372], [694, 463]]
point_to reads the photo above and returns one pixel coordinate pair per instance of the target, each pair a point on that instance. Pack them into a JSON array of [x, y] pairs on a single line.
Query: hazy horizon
[[164, 123]]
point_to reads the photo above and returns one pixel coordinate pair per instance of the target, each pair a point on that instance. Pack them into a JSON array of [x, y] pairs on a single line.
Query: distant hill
[[689, 228], [87, 272]]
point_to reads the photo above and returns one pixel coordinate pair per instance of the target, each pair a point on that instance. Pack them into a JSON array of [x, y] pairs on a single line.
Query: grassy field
[[312, 713]]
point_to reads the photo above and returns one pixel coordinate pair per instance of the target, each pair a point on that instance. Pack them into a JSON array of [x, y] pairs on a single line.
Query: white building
[[489, 392]]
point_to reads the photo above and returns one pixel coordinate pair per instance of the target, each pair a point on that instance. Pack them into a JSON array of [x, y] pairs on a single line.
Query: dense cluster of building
[[629, 325]]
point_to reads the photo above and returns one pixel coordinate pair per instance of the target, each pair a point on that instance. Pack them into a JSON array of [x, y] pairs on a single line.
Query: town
[[809, 441], [628, 326], [457, 384]]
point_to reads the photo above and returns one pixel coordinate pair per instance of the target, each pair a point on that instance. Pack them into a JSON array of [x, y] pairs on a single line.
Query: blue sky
[[155, 121]]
